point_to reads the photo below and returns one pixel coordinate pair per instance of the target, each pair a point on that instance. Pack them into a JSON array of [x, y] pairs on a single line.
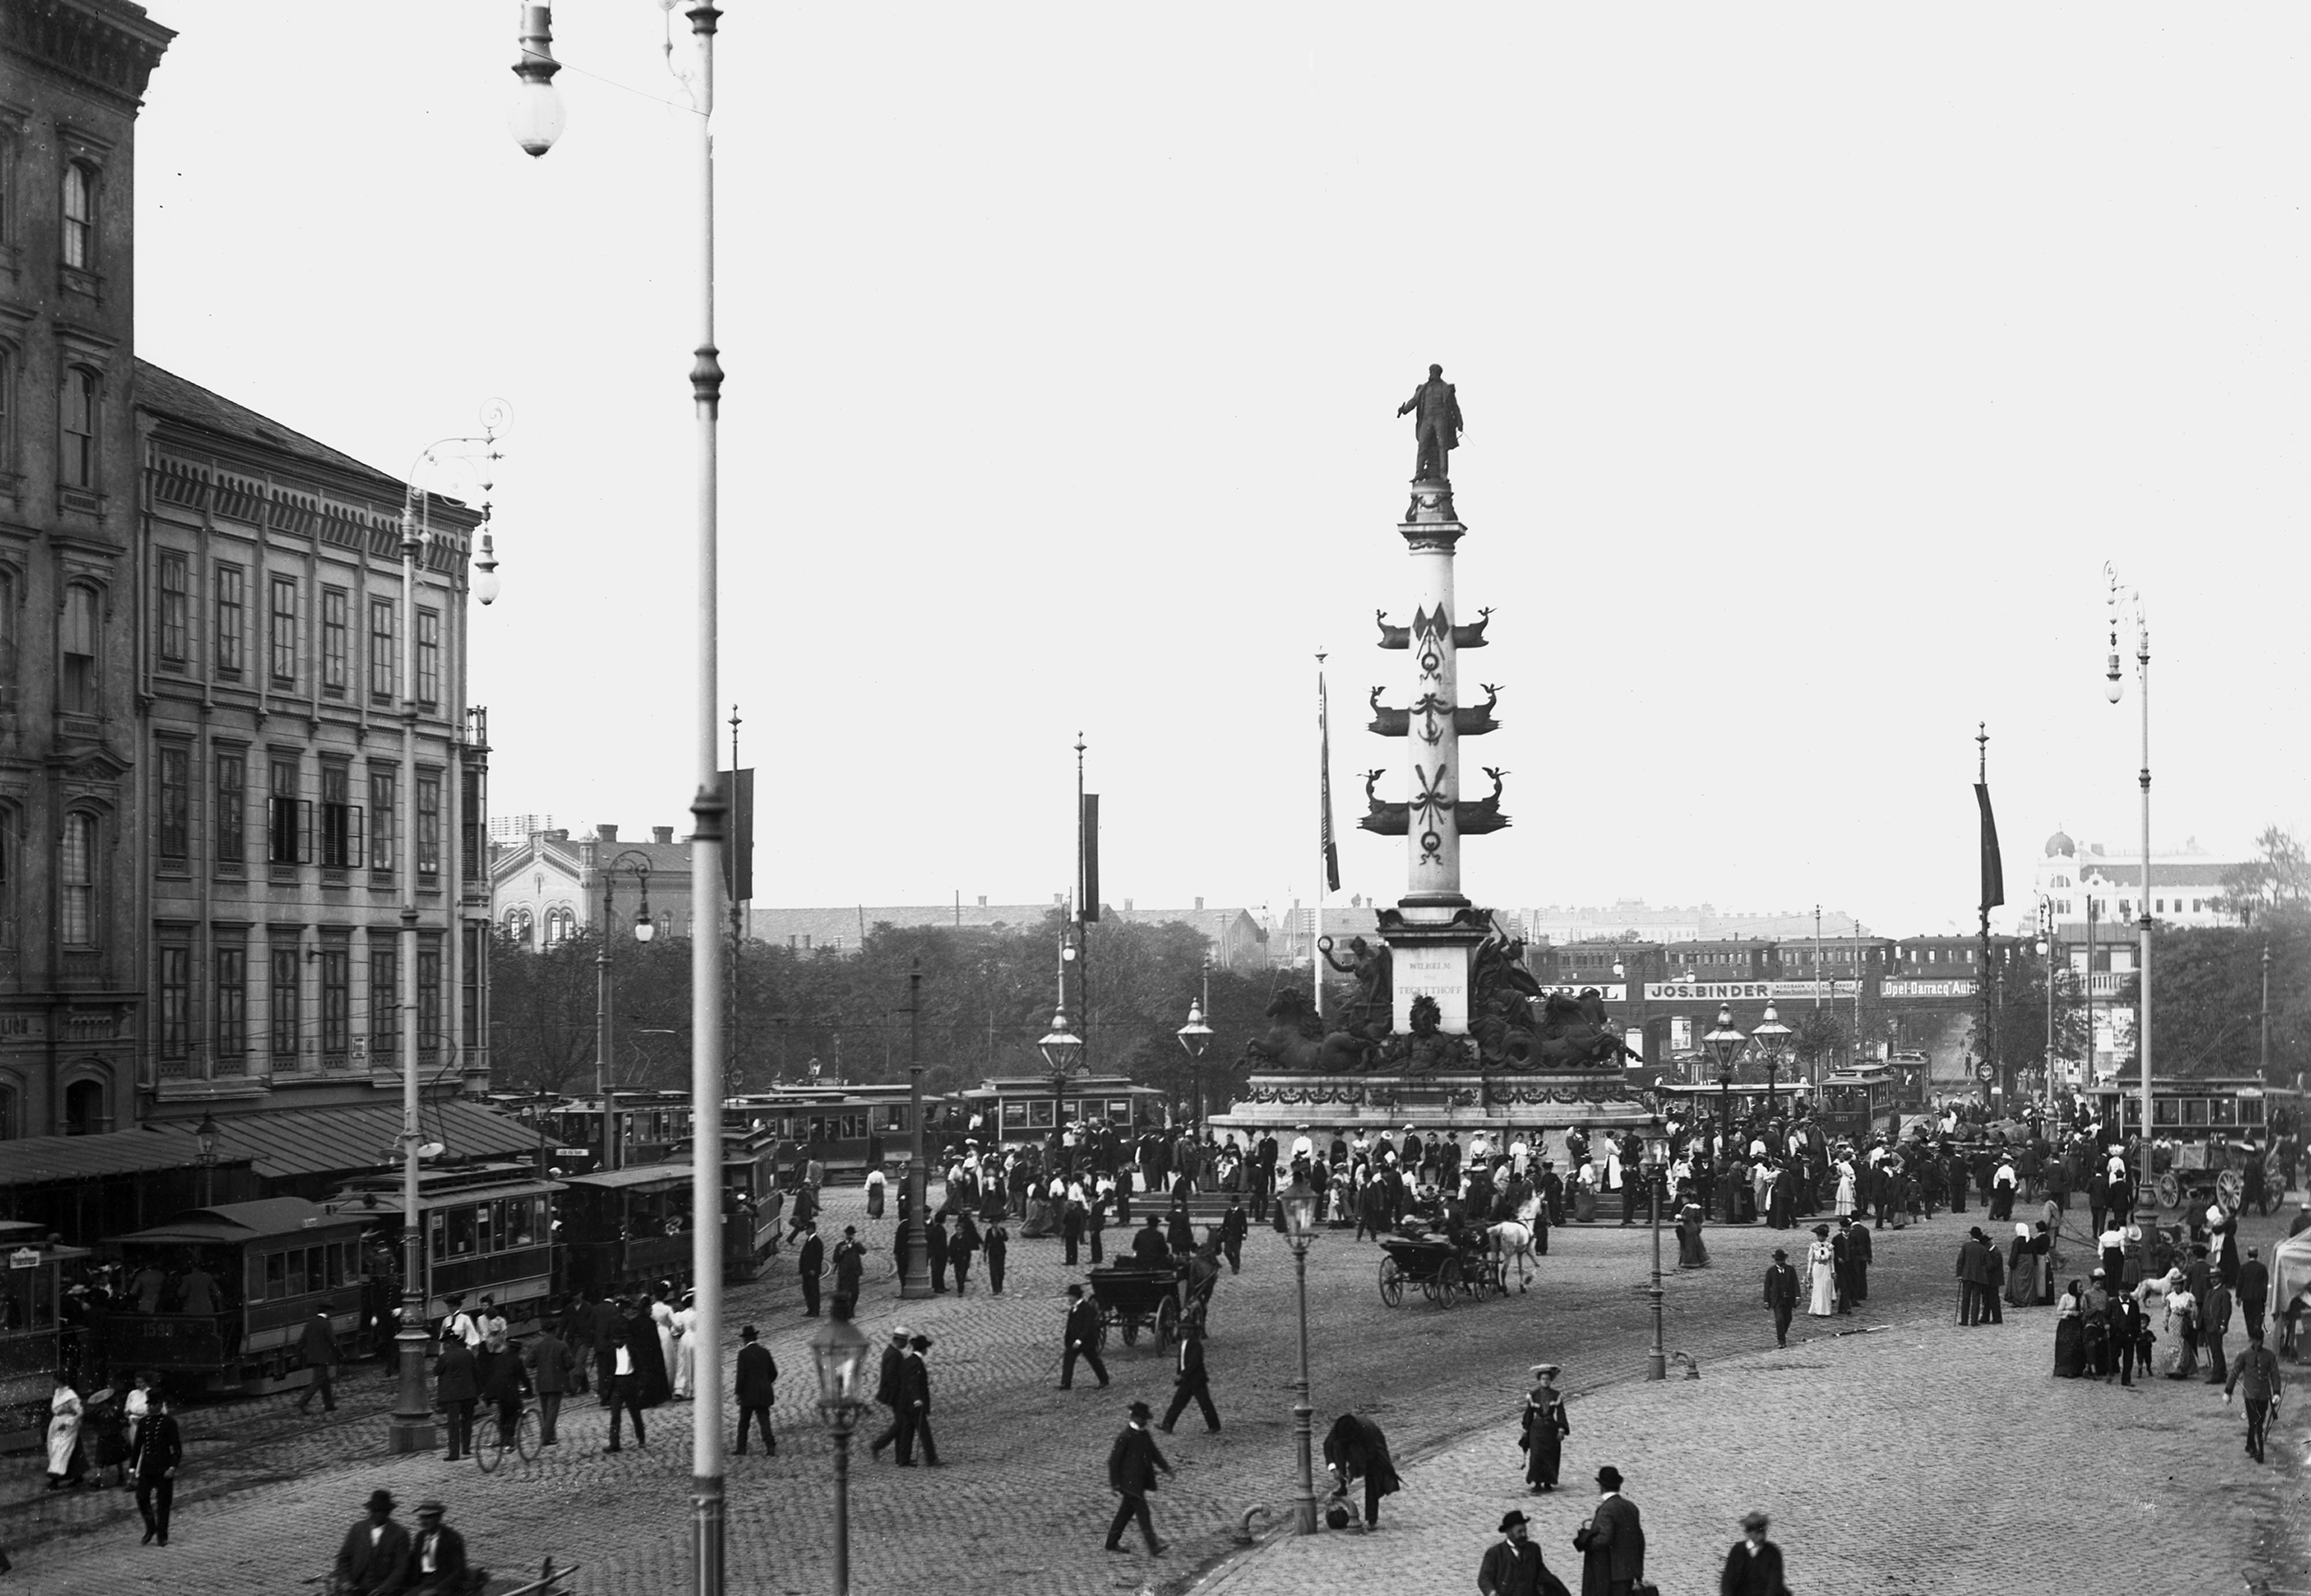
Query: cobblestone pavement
[[1020, 1502]]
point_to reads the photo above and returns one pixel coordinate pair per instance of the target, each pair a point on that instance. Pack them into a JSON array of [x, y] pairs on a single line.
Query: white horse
[[1511, 1242]]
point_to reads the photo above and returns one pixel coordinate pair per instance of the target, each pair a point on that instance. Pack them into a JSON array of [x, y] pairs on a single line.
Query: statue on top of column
[[1436, 425]]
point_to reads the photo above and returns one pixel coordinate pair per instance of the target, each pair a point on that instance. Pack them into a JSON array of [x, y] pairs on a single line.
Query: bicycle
[[489, 1451]]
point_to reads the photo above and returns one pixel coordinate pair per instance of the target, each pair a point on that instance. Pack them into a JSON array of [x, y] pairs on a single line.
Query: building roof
[[240, 1222], [634, 1174], [164, 393], [42, 1160], [280, 1144], [2119, 873]]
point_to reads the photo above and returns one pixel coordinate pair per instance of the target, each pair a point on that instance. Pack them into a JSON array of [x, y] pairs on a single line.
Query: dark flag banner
[[1324, 839], [1087, 859], [1993, 873], [738, 847]]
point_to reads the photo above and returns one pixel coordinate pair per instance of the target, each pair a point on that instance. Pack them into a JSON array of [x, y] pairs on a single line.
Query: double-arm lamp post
[[1195, 1036], [1299, 1200]]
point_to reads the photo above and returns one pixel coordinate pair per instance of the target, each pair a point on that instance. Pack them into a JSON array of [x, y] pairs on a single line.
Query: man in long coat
[[755, 1388], [1612, 1543], [457, 1387], [553, 1367], [890, 1382], [1512, 1565], [1753, 1566], [1131, 1465], [1436, 426], [1781, 1295]]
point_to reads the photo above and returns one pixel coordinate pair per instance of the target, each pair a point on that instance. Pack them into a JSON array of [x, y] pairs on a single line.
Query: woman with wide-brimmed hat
[[1545, 1426]]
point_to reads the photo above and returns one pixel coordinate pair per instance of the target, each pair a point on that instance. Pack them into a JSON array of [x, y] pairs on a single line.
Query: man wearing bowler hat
[[375, 1554], [1131, 1465], [1753, 1566], [1512, 1564], [1611, 1544]]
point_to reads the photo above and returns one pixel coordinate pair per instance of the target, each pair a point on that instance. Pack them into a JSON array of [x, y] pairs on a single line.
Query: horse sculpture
[[1289, 1045]]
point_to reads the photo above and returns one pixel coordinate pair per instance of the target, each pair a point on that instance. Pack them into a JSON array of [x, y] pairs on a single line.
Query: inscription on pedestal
[[1438, 973]]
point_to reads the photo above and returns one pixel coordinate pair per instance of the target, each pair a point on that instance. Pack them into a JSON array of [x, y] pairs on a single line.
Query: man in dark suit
[[755, 1387], [1753, 1566], [2253, 1289], [1512, 1564], [1781, 1295], [1081, 1339], [160, 1448], [609, 1330], [915, 1405], [996, 1245], [1973, 1273], [1858, 1256], [1194, 1385], [437, 1557], [1131, 1465], [808, 1264], [552, 1366], [938, 1242], [505, 1386], [1612, 1543], [889, 1383], [1234, 1227], [457, 1387], [376, 1552], [317, 1345]]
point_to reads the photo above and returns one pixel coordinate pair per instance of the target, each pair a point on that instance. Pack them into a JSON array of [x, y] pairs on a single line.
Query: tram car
[[753, 1208], [232, 1286], [645, 1128], [846, 1128], [33, 1331], [486, 1230], [1858, 1103], [624, 1229], [1009, 1110], [2204, 1132]]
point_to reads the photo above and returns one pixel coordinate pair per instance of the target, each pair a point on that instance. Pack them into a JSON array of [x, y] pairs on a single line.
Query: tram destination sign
[[1744, 991]]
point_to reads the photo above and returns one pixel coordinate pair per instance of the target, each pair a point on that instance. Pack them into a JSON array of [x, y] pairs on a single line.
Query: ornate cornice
[[108, 45]]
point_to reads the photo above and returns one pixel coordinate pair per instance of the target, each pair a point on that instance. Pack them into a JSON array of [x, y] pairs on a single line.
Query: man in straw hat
[[376, 1552], [1753, 1566]]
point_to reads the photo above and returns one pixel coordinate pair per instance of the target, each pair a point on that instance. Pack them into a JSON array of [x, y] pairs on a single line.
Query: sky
[[1814, 359]]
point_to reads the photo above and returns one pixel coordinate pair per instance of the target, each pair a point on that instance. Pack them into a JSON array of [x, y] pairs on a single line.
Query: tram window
[[1119, 1109], [295, 1260], [489, 1225], [897, 1120], [2195, 1111], [276, 1276], [460, 1233], [2226, 1110], [1039, 1116], [521, 1221], [817, 1129], [2162, 1111], [2250, 1110]]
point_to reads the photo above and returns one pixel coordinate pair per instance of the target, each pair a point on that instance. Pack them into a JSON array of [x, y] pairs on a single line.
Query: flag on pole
[[1324, 787], [1993, 873]]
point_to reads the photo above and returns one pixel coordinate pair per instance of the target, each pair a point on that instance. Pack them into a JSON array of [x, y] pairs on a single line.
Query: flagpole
[[1324, 832], [1989, 1012]]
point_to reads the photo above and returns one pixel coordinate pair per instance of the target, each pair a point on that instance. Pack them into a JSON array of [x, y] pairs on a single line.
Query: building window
[[8, 628], [230, 1022], [175, 804], [518, 926], [76, 429], [429, 998], [80, 216], [381, 649], [228, 621], [470, 838], [288, 973], [384, 1015], [429, 658], [289, 819], [469, 986], [380, 810], [342, 844], [337, 1001], [334, 642], [77, 870], [176, 1002], [174, 586], [429, 825], [79, 689], [232, 797], [284, 632]]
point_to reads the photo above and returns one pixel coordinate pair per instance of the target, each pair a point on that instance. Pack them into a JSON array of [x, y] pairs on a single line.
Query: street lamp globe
[[485, 583], [1772, 1036], [839, 1348], [205, 1133], [643, 928], [1299, 1200], [1725, 1043], [1195, 1036], [1060, 1046], [535, 119]]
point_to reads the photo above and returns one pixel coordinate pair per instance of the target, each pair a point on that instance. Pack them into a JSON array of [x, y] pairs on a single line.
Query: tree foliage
[[2207, 999], [987, 996], [2276, 883]]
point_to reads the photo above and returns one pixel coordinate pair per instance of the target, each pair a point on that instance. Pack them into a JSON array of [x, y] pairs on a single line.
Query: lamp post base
[[915, 1284], [405, 1435]]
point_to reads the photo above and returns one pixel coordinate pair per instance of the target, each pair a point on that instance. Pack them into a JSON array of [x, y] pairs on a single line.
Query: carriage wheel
[[1448, 1282], [2231, 1187], [1167, 1323], [2170, 1191], [1130, 1332], [1392, 1281]]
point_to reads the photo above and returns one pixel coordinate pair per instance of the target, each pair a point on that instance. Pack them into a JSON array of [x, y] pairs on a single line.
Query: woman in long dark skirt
[[651, 1385], [2069, 1337], [1545, 1426]]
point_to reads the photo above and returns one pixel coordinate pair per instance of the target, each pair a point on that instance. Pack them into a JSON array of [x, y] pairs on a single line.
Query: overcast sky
[[1814, 359]]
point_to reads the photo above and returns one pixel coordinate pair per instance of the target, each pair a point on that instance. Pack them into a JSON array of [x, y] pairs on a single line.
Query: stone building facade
[[72, 73]]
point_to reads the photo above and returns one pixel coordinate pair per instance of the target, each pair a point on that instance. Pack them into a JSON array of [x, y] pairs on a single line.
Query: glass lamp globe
[[537, 118], [643, 929]]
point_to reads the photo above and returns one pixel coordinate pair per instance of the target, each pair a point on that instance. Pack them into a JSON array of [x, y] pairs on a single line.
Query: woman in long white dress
[[64, 1409], [685, 1346], [1844, 1187], [661, 1312], [1821, 1263]]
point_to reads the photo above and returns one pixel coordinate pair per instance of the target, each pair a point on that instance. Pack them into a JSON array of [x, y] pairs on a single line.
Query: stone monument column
[[1432, 839]]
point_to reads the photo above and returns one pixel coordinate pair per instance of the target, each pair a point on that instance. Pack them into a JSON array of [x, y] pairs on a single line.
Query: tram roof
[[638, 1174], [237, 1222]]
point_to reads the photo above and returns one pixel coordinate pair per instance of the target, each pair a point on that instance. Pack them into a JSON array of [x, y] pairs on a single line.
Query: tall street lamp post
[[1195, 1036], [1656, 1167], [536, 122], [205, 1133], [1725, 1045], [635, 863], [1773, 1040], [1299, 1200], [840, 1351], [914, 1226], [1060, 1048], [2114, 690], [2048, 947]]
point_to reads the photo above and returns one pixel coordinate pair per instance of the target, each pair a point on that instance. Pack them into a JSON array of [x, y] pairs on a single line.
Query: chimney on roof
[[982, 900], [559, 834], [1200, 904], [1126, 905], [662, 833], [607, 834]]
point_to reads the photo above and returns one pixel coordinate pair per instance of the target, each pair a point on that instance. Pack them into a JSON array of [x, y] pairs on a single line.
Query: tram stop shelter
[[84, 1187]]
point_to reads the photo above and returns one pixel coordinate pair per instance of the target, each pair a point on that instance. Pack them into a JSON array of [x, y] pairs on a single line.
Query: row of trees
[[987, 996]]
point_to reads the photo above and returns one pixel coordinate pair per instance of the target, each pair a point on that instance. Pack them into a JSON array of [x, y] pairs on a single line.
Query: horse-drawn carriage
[[1158, 1298], [1444, 1269], [2200, 1172]]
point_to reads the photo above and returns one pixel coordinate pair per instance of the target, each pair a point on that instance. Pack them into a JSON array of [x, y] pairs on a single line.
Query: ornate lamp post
[[206, 1134], [1773, 1040], [1195, 1036], [1060, 1048], [915, 1224], [635, 863], [1656, 1167], [1725, 1045], [1299, 1200], [840, 1351], [2115, 690]]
